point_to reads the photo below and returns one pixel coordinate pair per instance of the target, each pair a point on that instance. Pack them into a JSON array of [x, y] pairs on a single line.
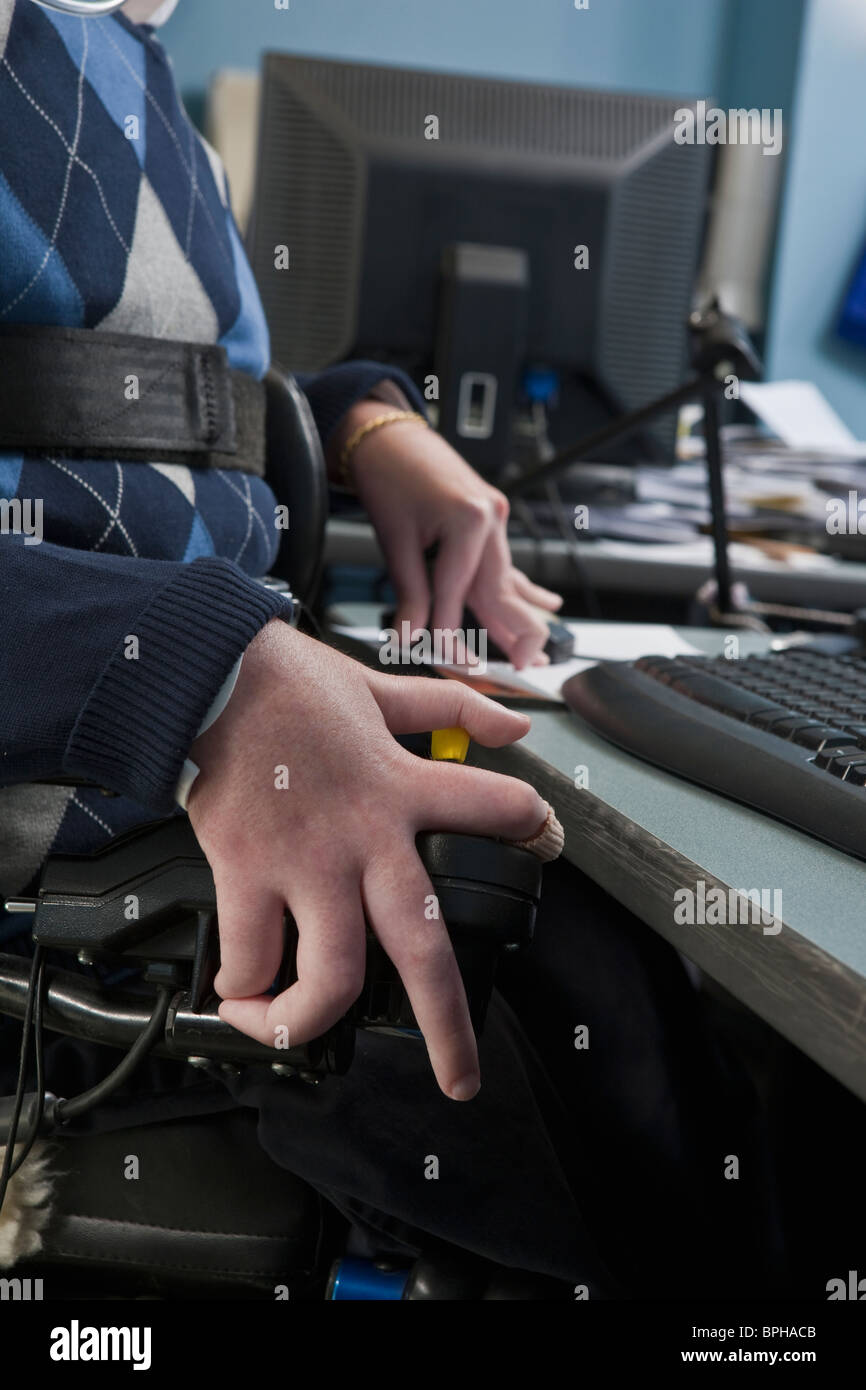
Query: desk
[[642, 834]]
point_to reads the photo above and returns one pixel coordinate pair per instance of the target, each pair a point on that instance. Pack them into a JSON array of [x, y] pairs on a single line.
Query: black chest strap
[[79, 392]]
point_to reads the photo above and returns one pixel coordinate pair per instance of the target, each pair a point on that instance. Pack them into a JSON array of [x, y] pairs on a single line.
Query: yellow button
[[449, 745]]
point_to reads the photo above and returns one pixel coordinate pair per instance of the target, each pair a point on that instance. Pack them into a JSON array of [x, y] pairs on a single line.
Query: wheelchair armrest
[[295, 469]]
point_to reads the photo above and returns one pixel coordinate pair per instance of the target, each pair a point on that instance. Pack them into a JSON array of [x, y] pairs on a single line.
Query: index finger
[[415, 704]]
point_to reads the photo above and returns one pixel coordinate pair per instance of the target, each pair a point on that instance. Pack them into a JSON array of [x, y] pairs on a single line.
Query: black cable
[[71, 1109], [39, 1042], [545, 452], [23, 1059], [591, 443], [590, 601], [521, 509]]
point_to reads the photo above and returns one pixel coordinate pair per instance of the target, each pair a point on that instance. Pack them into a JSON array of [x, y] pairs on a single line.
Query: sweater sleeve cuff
[[334, 391], [191, 770], [143, 713]]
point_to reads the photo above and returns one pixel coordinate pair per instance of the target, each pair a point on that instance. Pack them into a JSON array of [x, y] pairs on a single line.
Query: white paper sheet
[[628, 641], [594, 641], [801, 416]]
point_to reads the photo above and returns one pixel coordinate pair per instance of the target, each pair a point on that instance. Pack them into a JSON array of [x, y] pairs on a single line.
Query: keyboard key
[[730, 699], [770, 714], [655, 665], [822, 737], [789, 728], [662, 668], [839, 761]]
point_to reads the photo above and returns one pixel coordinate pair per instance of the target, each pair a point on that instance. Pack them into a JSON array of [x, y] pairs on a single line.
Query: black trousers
[[613, 1142], [599, 1148]]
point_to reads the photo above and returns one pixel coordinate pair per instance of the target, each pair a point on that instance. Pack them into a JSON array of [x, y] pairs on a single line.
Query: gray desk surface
[[643, 834]]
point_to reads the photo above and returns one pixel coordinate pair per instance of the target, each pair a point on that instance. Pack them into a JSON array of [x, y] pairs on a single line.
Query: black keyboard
[[783, 732]]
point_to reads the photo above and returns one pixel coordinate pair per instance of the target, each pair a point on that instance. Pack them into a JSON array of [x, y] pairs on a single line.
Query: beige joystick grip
[[548, 840]]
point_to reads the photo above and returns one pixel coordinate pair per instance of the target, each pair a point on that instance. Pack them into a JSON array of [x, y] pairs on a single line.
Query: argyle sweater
[[114, 215]]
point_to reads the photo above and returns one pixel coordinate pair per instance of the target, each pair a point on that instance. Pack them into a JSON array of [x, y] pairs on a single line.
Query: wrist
[[360, 414], [209, 742], [362, 439]]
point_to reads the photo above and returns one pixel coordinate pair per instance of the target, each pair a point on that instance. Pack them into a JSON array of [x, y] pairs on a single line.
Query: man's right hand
[[306, 801]]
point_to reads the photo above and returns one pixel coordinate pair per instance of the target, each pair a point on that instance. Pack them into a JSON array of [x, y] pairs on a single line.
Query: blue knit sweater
[[114, 215]]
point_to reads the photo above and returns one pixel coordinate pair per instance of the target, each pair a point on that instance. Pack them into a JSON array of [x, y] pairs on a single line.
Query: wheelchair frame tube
[[81, 1008]]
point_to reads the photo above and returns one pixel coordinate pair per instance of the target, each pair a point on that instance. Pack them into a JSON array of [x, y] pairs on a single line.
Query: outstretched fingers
[[404, 913]]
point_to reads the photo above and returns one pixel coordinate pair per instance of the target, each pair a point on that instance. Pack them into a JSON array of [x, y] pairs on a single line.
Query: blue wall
[[762, 50], [824, 211], [646, 45]]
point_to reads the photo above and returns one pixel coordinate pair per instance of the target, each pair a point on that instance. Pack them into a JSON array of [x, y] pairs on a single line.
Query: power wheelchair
[[217, 1216]]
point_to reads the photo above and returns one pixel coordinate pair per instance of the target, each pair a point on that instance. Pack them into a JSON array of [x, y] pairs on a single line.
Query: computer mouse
[[559, 646]]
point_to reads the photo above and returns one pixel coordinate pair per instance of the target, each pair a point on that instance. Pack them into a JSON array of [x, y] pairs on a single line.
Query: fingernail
[[548, 841], [465, 1088]]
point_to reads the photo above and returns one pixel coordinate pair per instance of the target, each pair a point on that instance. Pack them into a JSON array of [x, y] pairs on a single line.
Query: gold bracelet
[[391, 417]]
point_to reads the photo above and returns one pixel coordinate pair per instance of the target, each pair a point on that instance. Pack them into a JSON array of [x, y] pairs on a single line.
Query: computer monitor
[[506, 243]]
